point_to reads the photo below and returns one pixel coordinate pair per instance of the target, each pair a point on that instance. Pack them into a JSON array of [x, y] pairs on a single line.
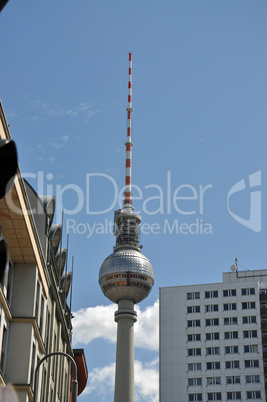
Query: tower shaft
[[125, 317]]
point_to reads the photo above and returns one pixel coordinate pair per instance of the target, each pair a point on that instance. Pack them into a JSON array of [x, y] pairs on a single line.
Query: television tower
[[126, 276]]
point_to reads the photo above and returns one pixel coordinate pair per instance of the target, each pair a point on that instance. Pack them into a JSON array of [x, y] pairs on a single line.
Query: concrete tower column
[[125, 317]]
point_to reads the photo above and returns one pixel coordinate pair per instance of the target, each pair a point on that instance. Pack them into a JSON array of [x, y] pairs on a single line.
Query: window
[[37, 302], [233, 395], [47, 328], [42, 315], [193, 309], [231, 335], [195, 397], [3, 350], [211, 307], [194, 381], [213, 380], [54, 357], [250, 348], [9, 283], [60, 379], [213, 365], [249, 320], [193, 295], [230, 320], [231, 349], [194, 352], [193, 323], [248, 291], [194, 366], [193, 337], [250, 334], [210, 336], [253, 395], [251, 363], [235, 379], [43, 386], [213, 351], [65, 396], [229, 292], [251, 379], [33, 364], [211, 293], [229, 306], [214, 396], [212, 321], [232, 364], [248, 305]]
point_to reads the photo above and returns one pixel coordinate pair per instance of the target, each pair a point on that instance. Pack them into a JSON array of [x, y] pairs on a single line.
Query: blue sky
[[199, 127]]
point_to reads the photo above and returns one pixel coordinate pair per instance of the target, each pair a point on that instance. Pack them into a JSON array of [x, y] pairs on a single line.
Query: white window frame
[[193, 295], [234, 364], [230, 292], [214, 350], [231, 334], [214, 381], [250, 319], [211, 307], [248, 291], [229, 306], [213, 322], [231, 321], [212, 336]]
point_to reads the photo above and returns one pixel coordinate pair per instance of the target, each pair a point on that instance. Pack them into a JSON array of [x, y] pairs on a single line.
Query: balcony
[[263, 325], [263, 297], [263, 311]]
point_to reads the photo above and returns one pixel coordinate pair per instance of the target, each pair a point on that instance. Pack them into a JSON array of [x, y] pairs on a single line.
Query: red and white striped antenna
[[128, 178]]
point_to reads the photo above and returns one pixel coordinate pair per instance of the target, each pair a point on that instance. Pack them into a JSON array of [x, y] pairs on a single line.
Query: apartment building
[[35, 319], [213, 339]]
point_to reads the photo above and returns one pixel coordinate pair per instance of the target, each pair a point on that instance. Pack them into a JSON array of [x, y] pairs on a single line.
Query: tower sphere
[[126, 274]]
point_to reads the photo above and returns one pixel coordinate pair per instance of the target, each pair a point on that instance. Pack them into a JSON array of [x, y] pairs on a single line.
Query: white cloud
[[52, 110], [64, 137], [146, 378], [94, 323], [55, 145], [97, 323], [101, 382], [83, 110], [146, 329]]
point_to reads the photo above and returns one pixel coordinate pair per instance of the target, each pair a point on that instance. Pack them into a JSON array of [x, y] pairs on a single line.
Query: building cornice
[[25, 387]]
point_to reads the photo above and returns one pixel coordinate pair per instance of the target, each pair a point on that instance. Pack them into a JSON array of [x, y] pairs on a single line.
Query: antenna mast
[[128, 178]]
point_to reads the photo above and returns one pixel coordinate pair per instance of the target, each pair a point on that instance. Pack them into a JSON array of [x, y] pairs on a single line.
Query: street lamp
[[74, 393]]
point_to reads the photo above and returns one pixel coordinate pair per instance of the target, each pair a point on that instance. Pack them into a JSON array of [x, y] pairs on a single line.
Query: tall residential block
[[213, 339]]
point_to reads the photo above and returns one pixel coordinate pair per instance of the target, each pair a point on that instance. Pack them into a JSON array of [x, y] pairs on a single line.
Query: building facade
[[213, 339], [35, 319]]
